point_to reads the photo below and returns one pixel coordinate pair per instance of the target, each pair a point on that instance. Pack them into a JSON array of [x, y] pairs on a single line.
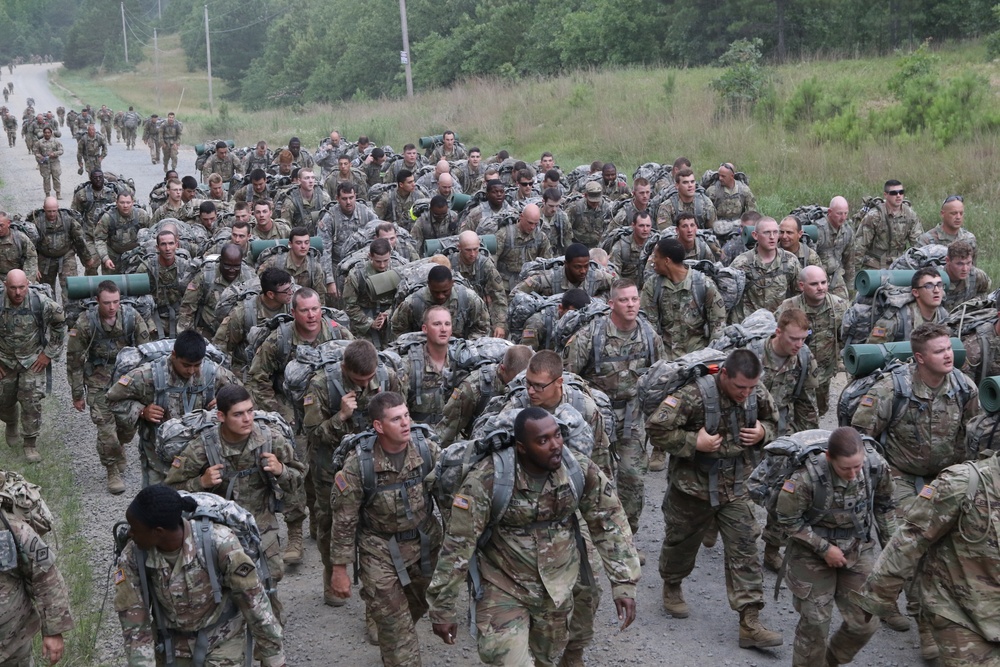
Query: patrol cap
[[594, 191]]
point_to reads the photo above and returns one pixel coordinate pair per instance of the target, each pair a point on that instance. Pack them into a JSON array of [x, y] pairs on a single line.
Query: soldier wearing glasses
[[927, 288], [887, 230]]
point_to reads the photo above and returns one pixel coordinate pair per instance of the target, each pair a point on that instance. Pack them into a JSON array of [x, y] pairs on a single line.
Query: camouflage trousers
[[305, 495], [514, 633], [27, 388], [960, 646], [271, 546], [687, 518], [823, 395], [169, 156], [322, 513], [228, 653], [816, 587], [773, 534], [904, 495], [586, 598], [633, 462], [90, 163], [111, 438], [154, 150], [20, 657], [52, 268], [154, 471], [51, 177], [395, 608], [106, 131], [129, 136]]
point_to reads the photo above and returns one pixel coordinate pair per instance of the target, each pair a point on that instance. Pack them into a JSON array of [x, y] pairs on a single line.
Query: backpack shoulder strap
[[710, 398], [805, 356], [366, 466], [697, 289]]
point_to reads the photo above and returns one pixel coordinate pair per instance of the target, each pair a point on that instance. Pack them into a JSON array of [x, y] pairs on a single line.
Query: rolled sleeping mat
[[259, 246], [430, 142], [459, 200], [380, 284], [989, 394], [862, 360], [433, 246], [869, 280], [85, 287], [812, 231], [200, 148]]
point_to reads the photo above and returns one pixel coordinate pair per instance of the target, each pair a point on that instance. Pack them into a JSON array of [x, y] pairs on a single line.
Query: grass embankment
[[637, 115]]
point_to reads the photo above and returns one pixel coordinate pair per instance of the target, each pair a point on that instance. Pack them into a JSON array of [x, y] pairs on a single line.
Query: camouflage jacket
[[428, 227], [427, 391], [198, 305], [882, 237], [309, 273], [937, 235], [279, 230], [34, 327], [47, 151], [825, 321], [226, 168], [231, 336], [588, 224], [515, 249], [613, 360], [484, 278], [336, 228], [89, 349], [558, 229], [767, 284], [533, 563], [467, 402], [171, 132], [187, 601], [685, 320], [782, 377], [982, 348], [959, 291], [898, 324], [358, 303], [626, 255], [554, 281], [114, 236], [246, 193], [807, 257], [626, 214], [701, 207], [90, 205], [484, 220], [61, 236], [396, 209], [469, 316], [836, 254], [18, 252], [168, 283], [89, 148], [731, 203], [305, 212]]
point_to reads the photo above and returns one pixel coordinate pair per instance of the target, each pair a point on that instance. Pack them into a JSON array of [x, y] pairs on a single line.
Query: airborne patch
[[340, 481], [867, 402], [125, 380], [671, 402], [119, 576], [879, 332], [461, 502], [788, 486], [927, 492], [243, 570]]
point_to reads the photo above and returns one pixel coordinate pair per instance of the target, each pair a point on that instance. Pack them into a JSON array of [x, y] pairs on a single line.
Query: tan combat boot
[[116, 485], [928, 647], [371, 629], [293, 551], [753, 634], [897, 622], [31, 451], [12, 435], [772, 557], [572, 657], [673, 601], [657, 460], [329, 599]]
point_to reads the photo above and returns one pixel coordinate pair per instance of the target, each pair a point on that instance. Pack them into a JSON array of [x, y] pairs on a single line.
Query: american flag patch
[[461, 502], [340, 481], [671, 401], [788, 486], [878, 332], [927, 492], [867, 402], [119, 576]]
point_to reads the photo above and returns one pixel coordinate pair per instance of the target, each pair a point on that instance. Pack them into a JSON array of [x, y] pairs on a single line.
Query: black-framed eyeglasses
[[285, 291], [932, 287], [896, 193], [524, 185], [952, 198], [534, 386]]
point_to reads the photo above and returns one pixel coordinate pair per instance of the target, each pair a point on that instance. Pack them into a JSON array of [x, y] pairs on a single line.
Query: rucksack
[[932, 255], [665, 377], [131, 120], [413, 278], [652, 172], [730, 282], [522, 305], [363, 445], [571, 322], [711, 176], [613, 235], [283, 323], [237, 293], [860, 318], [758, 326], [158, 352], [23, 500]]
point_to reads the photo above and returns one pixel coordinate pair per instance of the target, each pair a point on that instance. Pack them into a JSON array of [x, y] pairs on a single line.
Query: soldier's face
[[660, 264], [543, 390], [410, 156], [847, 468], [449, 141], [529, 220], [958, 269], [687, 230], [407, 186], [468, 252], [547, 162], [97, 180], [108, 304], [394, 425], [440, 292], [938, 357], [837, 215], [439, 212], [542, 450], [239, 420], [641, 196], [263, 216], [308, 316], [347, 202], [389, 236], [625, 303], [166, 248], [686, 187], [174, 193], [815, 287], [930, 292], [642, 228], [185, 369], [215, 191], [299, 246], [125, 204], [609, 174], [144, 537], [549, 207], [17, 288], [239, 236], [307, 179], [737, 387], [577, 269], [726, 177], [380, 262], [438, 327], [187, 194], [221, 153], [474, 159], [208, 220], [90, 131], [952, 215], [47, 133], [766, 235], [51, 212], [360, 380], [259, 186], [242, 215], [788, 341], [495, 194], [788, 234], [445, 187], [345, 167]]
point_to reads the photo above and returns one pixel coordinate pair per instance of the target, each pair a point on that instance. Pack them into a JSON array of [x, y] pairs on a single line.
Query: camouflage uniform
[[336, 228], [457, 153], [807, 257], [825, 321], [426, 394], [246, 193], [484, 278], [91, 151], [983, 342], [56, 243], [881, 238], [588, 224], [198, 305], [626, 214], [186, 212], [554, 281], [35, 596], [36, 326], [959, 291], [836, 254], [279, 230], [304, 212], [187, 603], [845, 520], [558, 229], [731, 203], [18, 252], [468, 401], [135, 390], [114, 236], [515, 249], [428, 227], [613, 361], [704, 487], [91, 205], [396, 209], [470, 318], [937, 235], [701, 207], [170, 139], [227, 168], [675, 312], [309, 273], [129, 132], [943, 542], [484, 220], [90, 361], [47, 152], [529, 571], [10, 127], [151, 137], [626, 256], [733, 248], [106, 116], [362, 310], [539, 328], [168, 285], [898, 324], [231, 336], [767, 284], [393, 168]]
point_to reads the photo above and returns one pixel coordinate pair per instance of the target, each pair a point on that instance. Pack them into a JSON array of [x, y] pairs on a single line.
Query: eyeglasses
[[284, 291], [538, 388], [932, 287], [895, 193], [728, 166], [953, 198], [524, 185]]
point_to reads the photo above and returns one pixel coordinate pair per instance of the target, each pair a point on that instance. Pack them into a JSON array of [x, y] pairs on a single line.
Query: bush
[[745, 80]]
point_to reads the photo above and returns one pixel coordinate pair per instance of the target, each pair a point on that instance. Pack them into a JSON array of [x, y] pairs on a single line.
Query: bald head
[[468, 239], [16, 286], [442, 167], [445, 180], [814, 285], [16, 277], [837, 213]]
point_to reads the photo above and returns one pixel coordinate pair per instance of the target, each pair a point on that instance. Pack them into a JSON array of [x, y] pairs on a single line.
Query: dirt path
[[319, 635]]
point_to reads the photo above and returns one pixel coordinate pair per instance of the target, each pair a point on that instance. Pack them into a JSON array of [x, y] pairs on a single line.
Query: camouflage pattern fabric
[[825, 321], [677, 317], [882, 237]]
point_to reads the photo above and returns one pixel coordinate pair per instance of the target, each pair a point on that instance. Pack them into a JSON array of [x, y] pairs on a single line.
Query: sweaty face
[[609, 174], [543, 446], [242, 215], [958, 269], [438, 327], [97, 180], [952, 215], [495, 194], [166, 248], [468, 252], [938, 358], [529, 221], [108, 304], [930, 291], [789, 341], [144, 537], [215, 191], [185, 369], [344, 166], [625, 303], [395, 424], [17, 289], [577, 269], [308, 316], [837, 215], [230, 267], [549, 207], [687, 230]]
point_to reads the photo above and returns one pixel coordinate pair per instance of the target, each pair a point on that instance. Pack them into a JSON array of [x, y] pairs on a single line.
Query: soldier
[[435, 223], [118, 232], [790, 239], [266, 228], [175, 206], [469, 315], [59, 234], [683, 304], [730, 197], [275, 297], [626, 253], [966, 282], [470, 174], [927, 288], [223, 163], [770, 272], [34, 332], [836, 247], [950, 229], [481, 273], [47, 152], [525, 189], [255, 190], [168, 280], [520, 243], [523, 613], [981, 350], [487, 216], [410, 162], [610, 353], [166, 557], [10, 127], [396, 203], [887, 230], [105, 115], [329, 151], [304, 204], [540, 327], [943, 542], [345, 174], [685, 197], [170, 141], [917, 447], [429, 366], [299, 260], [695, 247], [612, 187], [259, 158], [90, 200], [588, 216], [826, 315], [710, 462], [736, 246], [300, 157], [471, 396], [151, 137], [575, 272], [217, 194], [392, 526], [130, 123], [830, 545], [91, 149], [239, 236], [554, 221], [94, 342], [369, 319], [642, 192], [35, 595], [198, 305], [336, 226], [449, 149]]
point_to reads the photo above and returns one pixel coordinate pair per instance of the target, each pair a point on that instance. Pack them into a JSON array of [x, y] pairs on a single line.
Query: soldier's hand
[[3, 372], [272, 464], [707, 442], [211, 404], [446, 631], [626, 611], [152, 413], [79, 404], [498, 332], [92, 262], [340, 583], [835, 557], [212, 477], [348, 404], [331, 289], [52, 648], [38, 276], [751, 436], [380, 321], [109, 265], [40, 363]]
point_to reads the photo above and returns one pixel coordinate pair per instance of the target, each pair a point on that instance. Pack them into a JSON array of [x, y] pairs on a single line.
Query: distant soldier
[[695, 247], [731, 198], [470, 317], [300, 260], [59, 235], [47, 153], [437, 222], [337, 224], [275, 297], [428, 368], [266, 227], [588, 216], [370, 318], [836, 247], [16, 250], [168, 280], [554, 221], [685, 197], [396, 203], [223, 163], [575, 272], [151, 137], [487, 216], [131, 120], [771, 272], [254, 191], [480, 271], [61, 112], [887, 230], [91, 149], [170, 141], [105, 116], [790, 239], [520, 243], [304, 204], [449, 149], [410, 161], [198, 306], [626, 253]]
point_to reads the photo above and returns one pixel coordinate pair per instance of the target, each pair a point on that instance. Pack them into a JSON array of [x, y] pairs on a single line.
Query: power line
[[250, 25]]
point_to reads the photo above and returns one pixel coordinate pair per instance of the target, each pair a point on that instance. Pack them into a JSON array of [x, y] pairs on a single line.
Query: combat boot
[[31, 451], [772, 557], [293, 551], [673, 601], [572, 657], [753, 634], [371, 628], [12, 435], [709, 539], [122, 463], [657, 460], [897, 621], [116, 485], [928, 647], [329, 599]]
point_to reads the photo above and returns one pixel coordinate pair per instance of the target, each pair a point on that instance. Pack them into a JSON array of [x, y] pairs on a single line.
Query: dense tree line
[[34, 27]]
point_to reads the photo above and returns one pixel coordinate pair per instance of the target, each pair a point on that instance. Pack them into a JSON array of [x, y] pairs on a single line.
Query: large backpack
[[860, 318], [730, 282], [757, 327], [522, 305], [363, 444], [571, 322], [665, 377], [932, 255], [468, 355], [413, 278], [23, 500], [237, 293]]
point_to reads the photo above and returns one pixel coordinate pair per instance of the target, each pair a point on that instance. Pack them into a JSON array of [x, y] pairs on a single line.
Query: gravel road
[[319, 635]]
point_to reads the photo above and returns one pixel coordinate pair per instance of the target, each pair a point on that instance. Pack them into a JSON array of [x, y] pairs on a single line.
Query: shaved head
[[467, 239], [839, 203]]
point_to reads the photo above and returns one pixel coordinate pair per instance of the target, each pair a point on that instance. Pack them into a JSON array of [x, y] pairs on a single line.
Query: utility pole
[[156, 67], [208, 56], [159, 10], [125, 36], [405, 55]]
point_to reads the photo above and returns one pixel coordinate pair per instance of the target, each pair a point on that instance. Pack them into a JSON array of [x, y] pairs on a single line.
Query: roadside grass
[[634, 115]]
